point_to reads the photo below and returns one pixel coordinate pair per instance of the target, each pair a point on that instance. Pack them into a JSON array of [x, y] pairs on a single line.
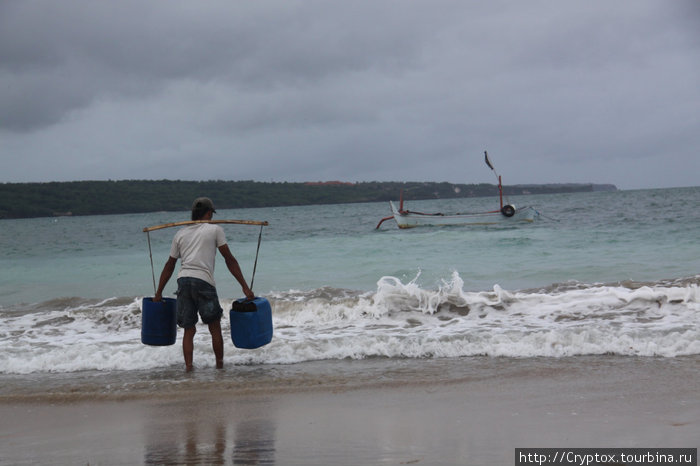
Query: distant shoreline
[[76, 198]]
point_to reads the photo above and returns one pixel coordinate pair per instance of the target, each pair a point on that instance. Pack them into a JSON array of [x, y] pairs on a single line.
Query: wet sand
[[615, 402]]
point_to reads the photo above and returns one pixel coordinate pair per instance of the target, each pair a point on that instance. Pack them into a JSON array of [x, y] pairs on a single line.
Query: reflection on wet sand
[[254, 443], [188, 438]]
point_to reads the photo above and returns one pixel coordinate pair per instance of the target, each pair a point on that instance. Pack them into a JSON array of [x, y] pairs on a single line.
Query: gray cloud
[[359, 91]]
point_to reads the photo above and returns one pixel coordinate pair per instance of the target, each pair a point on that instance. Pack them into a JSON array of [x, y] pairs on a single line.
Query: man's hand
[[165, 275], [248, 293]]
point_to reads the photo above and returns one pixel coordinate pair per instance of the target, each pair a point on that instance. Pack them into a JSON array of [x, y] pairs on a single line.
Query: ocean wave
[[398, 320]]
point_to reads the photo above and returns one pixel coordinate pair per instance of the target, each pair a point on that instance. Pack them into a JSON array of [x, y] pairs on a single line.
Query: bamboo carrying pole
[[194, 222], [147, 230]]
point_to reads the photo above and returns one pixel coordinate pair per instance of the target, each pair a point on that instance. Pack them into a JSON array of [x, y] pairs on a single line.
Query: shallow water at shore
[[335, 375]]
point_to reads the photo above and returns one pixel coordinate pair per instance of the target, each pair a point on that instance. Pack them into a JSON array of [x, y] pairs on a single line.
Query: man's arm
[[235, 270], [165, 275]]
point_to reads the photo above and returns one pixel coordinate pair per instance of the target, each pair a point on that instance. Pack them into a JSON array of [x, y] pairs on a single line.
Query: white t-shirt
[[196, 245]]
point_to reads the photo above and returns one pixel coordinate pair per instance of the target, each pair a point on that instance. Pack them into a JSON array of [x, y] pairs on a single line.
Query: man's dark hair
[[199, 212], [201, 206]]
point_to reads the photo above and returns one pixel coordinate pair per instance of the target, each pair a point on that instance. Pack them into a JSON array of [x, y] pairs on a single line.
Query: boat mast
[[500, 191]]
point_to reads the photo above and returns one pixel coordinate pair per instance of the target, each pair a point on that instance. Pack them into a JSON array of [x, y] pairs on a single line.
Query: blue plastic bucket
[[158, 322], [251, 323]]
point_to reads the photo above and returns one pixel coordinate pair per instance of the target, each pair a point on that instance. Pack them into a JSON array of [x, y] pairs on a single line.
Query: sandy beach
[[471, 420]]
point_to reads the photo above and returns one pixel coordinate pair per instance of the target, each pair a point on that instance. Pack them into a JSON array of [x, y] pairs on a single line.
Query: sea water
[[610, 273]]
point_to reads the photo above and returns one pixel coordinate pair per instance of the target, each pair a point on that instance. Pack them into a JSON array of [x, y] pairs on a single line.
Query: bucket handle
[[255, 266], [150, 254]]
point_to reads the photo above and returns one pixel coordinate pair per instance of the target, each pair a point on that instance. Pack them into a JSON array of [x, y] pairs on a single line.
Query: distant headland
[[26, 200]]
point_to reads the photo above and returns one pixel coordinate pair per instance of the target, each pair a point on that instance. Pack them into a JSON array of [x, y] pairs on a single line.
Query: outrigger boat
[[507, 213]]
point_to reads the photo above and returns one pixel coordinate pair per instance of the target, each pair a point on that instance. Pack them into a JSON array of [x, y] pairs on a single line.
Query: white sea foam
[[398, 320]]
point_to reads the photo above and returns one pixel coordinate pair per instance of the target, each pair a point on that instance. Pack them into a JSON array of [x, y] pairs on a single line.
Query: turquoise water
[[597, 273], [643, 235]]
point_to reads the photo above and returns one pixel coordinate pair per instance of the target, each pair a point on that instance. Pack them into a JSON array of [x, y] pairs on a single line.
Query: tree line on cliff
[[26, 200]]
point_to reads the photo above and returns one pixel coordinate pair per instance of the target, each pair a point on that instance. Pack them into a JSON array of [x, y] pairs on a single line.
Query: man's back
[[196, 246]]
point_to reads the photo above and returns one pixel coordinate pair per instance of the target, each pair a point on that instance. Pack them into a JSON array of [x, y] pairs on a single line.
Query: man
[[196, 246]]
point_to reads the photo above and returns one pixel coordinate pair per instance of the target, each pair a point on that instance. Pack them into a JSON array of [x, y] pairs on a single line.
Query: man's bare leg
[[188, 346], [217, 343]]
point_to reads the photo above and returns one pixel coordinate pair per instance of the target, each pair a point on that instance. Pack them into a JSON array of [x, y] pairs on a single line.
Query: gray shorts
[[195, 295]]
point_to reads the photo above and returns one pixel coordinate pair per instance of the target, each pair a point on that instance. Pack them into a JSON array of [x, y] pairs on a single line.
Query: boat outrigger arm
[[401, 211]]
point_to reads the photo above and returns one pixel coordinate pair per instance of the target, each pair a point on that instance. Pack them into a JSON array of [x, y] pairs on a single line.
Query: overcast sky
[[556, 91]]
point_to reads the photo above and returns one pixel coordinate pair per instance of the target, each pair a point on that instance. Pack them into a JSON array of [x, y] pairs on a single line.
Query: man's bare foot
[[219, 363], [189, 368]]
